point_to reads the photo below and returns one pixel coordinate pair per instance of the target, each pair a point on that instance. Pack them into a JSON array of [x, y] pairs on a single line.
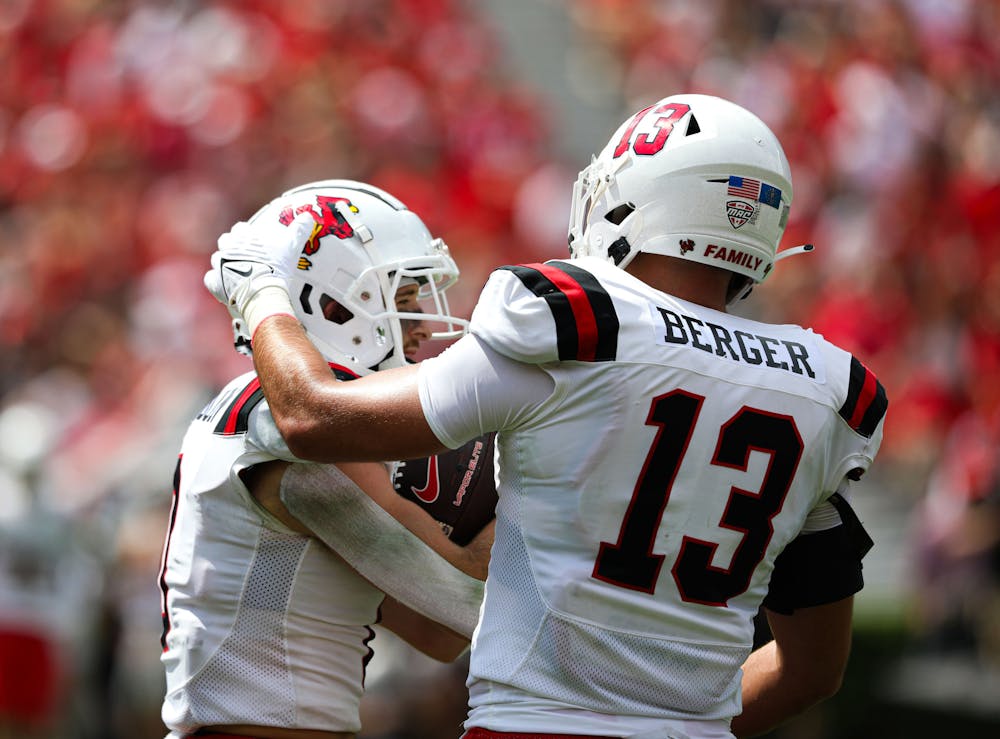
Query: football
[[456, 487]]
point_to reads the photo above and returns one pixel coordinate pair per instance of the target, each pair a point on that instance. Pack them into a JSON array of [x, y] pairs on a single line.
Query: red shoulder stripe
[[866, 401], [583, 313], [865, 398], [238, 409]]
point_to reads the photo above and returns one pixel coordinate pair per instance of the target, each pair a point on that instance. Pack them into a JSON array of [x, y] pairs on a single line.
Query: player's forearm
[[420, 632], [472, 559], [772, 693], [379, 547], [298, 385], [323, 420]]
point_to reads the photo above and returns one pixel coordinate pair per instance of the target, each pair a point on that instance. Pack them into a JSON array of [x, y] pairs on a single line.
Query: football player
[[666, 468], [266, 630]]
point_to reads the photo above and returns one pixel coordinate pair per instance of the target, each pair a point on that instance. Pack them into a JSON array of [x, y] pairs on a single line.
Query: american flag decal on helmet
[[745, 187], [586, 321], [866, 401]]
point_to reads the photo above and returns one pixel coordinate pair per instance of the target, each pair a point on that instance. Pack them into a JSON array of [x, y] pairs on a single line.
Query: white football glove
[[248, 270], [241, 261]]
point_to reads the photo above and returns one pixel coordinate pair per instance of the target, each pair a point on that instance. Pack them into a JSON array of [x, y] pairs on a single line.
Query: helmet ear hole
[[619, 250], [334, 311], [619, 213]]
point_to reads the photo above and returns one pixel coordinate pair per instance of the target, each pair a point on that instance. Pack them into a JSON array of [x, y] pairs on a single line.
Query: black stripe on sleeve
[[567, 338], [241, 410], [569, 341], [603, 307], [875, 412], [854, 385], [877, 402]]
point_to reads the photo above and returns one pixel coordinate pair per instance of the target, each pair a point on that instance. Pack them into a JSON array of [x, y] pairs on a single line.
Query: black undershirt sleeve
[[820, 568]]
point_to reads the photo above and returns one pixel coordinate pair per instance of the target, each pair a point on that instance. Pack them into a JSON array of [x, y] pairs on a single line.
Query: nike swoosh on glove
[[250, 258], [234, 281], [251, 261]]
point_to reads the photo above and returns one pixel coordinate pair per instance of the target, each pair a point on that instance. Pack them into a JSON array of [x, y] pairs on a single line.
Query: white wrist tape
[[268, 301], [379, 547]]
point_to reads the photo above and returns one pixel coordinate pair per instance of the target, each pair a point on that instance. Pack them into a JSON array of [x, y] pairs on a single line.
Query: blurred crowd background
[[134, 132]]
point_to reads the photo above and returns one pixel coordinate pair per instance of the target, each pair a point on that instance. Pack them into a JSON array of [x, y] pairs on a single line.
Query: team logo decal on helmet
[[686, 245], [328, 221], [740, 213]]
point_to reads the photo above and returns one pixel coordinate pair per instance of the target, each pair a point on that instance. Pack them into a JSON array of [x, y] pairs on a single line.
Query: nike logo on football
[[429, 492]]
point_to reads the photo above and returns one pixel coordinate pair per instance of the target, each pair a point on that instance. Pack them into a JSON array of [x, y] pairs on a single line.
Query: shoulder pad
[[547, 312]]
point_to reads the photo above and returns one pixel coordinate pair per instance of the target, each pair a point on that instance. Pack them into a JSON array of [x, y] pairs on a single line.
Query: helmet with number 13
[[691, 176]]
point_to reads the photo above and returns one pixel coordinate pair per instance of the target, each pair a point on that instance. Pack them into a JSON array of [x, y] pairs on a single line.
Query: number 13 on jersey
[[630, 562]]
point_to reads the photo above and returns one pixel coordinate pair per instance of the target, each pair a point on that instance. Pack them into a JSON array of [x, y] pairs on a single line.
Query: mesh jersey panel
[[262, 625], [584, 666], [253, 653]]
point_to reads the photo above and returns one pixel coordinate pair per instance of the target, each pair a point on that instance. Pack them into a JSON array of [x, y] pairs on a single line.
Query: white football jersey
[[643, 502], [262, 625]]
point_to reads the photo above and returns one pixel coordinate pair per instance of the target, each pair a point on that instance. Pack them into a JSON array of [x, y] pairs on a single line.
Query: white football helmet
[[365, 245], [691, 176]]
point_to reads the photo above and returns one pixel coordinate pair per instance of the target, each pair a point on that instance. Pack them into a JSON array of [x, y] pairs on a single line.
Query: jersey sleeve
[[514, 321], [538, 313], [862, 404], [240, 411], [263, 435], [470, 389]]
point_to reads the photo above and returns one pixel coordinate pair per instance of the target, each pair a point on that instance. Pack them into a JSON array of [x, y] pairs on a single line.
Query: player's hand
[[241, 263], [252, 258]]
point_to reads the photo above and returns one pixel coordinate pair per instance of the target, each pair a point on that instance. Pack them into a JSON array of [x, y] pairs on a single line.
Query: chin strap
[[802, 249], [739, 291]]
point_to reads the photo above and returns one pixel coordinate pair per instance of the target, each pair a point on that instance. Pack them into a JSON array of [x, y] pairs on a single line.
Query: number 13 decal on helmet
[[645, 145]]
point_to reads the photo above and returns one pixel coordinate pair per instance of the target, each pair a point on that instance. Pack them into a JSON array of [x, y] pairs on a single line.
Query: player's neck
[[696, 283]]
